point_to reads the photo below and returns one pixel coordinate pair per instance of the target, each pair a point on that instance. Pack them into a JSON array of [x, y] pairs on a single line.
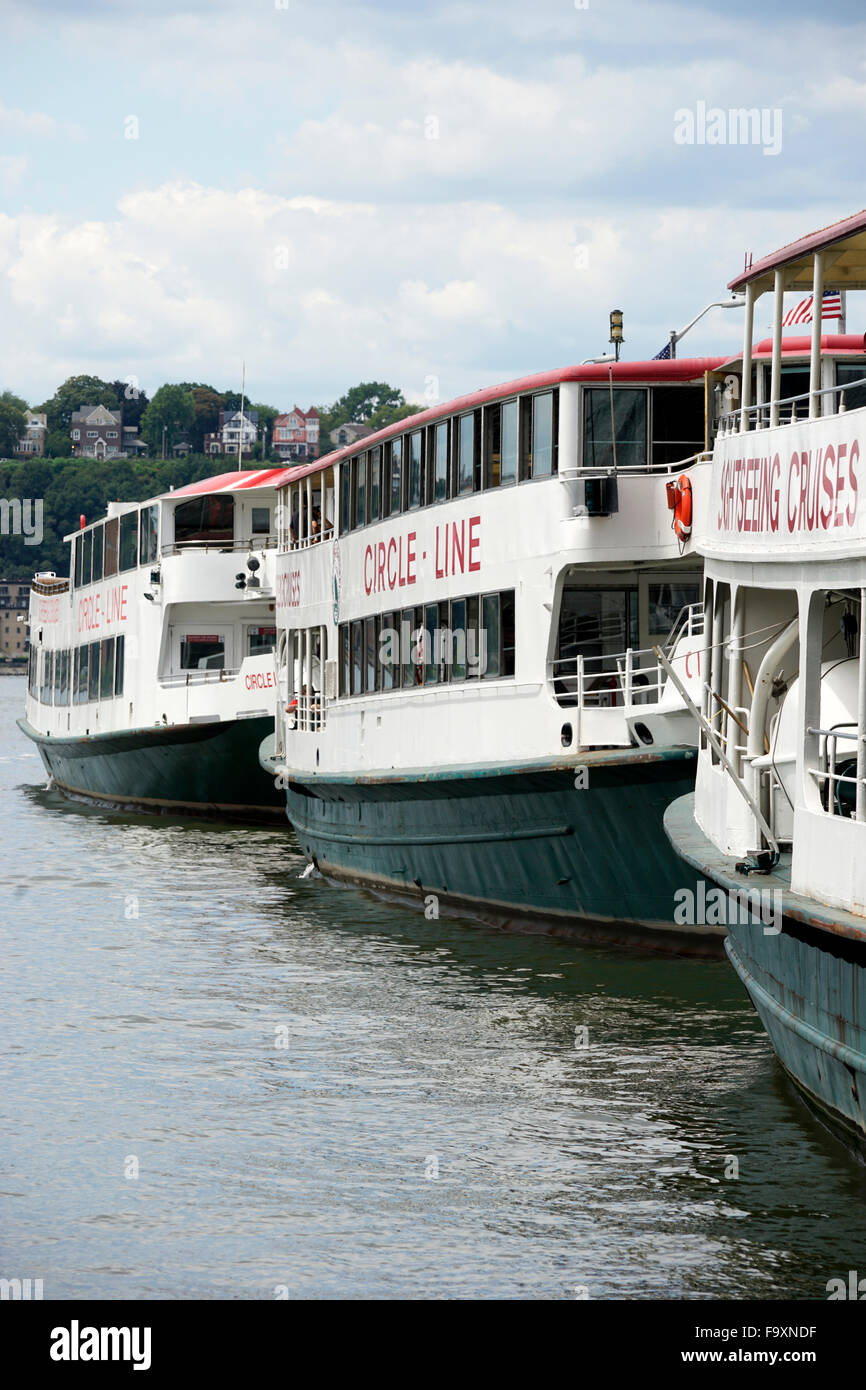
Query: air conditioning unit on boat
[[600, 496]]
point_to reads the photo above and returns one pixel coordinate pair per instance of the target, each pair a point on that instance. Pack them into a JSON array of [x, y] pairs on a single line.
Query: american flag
[[665, 353], [831, 308]]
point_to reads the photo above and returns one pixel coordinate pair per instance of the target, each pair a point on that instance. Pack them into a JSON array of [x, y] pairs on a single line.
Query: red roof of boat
[[231, 482], [805, 246], [679, 369]]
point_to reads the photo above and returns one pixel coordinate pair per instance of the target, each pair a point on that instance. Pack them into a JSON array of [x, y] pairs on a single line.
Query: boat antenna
[[241, 421]]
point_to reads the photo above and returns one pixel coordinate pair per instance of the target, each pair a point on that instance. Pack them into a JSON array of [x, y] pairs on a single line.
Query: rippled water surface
[[334, 1095]]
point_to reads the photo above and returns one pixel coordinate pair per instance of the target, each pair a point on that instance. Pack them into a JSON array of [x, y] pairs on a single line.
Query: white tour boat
[[778, 817], [151, 673], [471, 715]]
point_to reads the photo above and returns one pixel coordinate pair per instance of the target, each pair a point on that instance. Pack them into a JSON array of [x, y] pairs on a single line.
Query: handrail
[[624, 679], [731, 422], [223, 547], [634, 470]]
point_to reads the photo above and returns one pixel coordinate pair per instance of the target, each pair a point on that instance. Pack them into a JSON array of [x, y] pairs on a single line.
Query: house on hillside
[[235, 430], [349, 434], [296, 434], [99, 433], [32, 442]]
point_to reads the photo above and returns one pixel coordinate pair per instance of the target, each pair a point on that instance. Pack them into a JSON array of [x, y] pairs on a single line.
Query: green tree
[[169, 417], [132, 399], [390, 414], [267, 416], [372, 403], [75, 392], [207, 404], [12, 422]]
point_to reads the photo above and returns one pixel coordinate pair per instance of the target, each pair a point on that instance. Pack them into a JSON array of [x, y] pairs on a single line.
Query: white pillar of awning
[[746, 389], [817, 325], [776, 372]]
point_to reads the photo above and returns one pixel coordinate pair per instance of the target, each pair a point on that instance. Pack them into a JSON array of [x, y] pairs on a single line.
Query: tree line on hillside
[[184, 410], [72, 487]]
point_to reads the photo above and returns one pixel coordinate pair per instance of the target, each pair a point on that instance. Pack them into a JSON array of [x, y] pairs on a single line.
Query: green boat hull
[[805, 975], [525, 847], [207, 769]]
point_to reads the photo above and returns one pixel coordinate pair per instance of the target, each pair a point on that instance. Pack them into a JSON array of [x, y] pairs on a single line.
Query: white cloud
[[187, 281]]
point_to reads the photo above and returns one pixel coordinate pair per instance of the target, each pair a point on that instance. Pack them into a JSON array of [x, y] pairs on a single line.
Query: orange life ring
[[683, 508]]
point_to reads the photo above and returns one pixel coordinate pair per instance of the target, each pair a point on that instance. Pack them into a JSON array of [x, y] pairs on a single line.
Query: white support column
[[746, 388], [817, 326], [776, 372]]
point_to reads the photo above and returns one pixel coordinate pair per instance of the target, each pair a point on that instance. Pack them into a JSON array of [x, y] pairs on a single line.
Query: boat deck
[[697, 849]]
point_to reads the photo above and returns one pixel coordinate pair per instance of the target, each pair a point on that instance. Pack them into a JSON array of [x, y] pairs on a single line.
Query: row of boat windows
[[78, 675], [459, 639], [116, 545], [505, 443]]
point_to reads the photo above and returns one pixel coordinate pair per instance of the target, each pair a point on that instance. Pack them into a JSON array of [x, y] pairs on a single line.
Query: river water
[[218, 1080]]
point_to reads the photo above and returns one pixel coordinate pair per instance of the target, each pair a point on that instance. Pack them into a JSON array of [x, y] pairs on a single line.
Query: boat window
[[149, 534], [202, 651], [846, 372], [677, 423], [466, 480], [205, 520], [357, 658], [667, 601], [111, 530], [98, 552], [407, 645], [543, 461], [118, 664], [396, 476], [345, 497], [415, 469], [371, 654], [106, 676], [93, 681], [509, 443], [260, 524], [261, 640], [359, 469], [507, 630], [614, 435], [489, 651], [345, 670], [64, 678], [430, 642], [473, 647], [81, 668], [86, 556], [458, 639], [128, 541], [440, 466], [375, 457], [79, 546]]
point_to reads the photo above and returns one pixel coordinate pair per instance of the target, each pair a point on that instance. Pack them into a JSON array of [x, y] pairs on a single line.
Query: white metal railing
[[306, 713], [580, 470], [630, 678], [795, 408], [212, 677], [826, 775], [223, 547]]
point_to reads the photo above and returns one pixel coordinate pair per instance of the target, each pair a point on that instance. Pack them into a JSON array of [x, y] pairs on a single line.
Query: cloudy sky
[[440, 195]]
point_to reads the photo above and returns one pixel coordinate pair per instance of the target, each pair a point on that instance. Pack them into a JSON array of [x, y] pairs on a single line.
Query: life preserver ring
[[680, 498]]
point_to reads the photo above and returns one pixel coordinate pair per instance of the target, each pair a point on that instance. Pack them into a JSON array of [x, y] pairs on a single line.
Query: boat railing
[[221, 547], [581, 471], [630, 678], [792, 409], [306, 714], [830, 780], [186, 678]]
